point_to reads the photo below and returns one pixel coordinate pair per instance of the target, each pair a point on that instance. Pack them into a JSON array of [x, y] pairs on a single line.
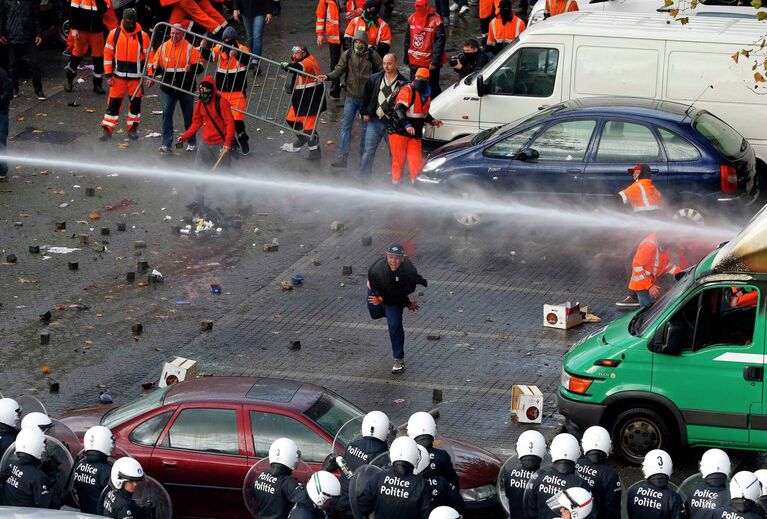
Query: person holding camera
[[469, 60]]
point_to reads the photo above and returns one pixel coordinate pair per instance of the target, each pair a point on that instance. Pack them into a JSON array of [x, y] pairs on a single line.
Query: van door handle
[[169, 464], [753, 373]]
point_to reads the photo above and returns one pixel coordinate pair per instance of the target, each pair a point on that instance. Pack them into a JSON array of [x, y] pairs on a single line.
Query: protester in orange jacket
[[201, 12], [87, 21], [651, 260], [377, 30], [425, 43], [555, 7], [307, 100], [328, 31], [504, 28]]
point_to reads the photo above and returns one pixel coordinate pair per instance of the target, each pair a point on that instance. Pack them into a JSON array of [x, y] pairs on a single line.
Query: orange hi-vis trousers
[[405, 149]]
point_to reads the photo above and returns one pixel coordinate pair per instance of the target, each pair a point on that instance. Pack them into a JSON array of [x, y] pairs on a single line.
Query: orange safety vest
[[642, 196], [173, 57], [415, 108], [555, 7], [421, 44], [109, 18], [328, 20], [378, 33], [125, 52], [355, 7], [231, 75], [310, 66], [489, 7], [742, 299], [649, 263], [504, 33]]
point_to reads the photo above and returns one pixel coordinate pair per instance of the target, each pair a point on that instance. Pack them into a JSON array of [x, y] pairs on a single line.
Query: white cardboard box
[[562, 316], [527, 403], [176, 371]]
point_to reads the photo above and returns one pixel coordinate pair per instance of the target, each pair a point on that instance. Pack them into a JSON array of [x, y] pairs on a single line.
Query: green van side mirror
[[669, 339]]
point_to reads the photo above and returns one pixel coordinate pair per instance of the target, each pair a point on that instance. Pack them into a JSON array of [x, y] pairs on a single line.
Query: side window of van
[[528, 72], [622, 141], [719, 316]]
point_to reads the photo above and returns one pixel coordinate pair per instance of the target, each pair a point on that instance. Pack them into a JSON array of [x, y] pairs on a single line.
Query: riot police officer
[[363, 450], [41, 420], [276, 490], [575, 503], [604, 483], [321, 488], [761, 503], [25, 482], [652, 498], [91, 474], [709, 493], [441, 491], [546, 483], [444, 512], [422, 428], [10, 413], [531, 447], [397, 493], [125, 476], [745, 490]]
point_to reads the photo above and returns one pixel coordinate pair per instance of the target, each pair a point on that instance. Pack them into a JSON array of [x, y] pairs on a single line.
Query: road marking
[[750, 358]]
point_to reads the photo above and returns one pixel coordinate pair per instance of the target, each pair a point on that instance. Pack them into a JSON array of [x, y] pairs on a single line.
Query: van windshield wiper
[[636, 321]]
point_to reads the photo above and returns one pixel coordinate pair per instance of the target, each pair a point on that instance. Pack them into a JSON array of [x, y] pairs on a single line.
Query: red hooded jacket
[[214, 117]]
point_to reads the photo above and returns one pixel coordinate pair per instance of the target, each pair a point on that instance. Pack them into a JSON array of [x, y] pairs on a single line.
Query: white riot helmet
[[657, 461], [405, 449], [421, 423], [41, 420], [375, 424], [564, 446], [99, 438], [531, 443], [31, 441], [745, 485], [444, 512], [322, 487], [424, 460], [714, 461], [578, 501], [10, 412], [126, 469], [761, 475], [284, 451], [597, 438]]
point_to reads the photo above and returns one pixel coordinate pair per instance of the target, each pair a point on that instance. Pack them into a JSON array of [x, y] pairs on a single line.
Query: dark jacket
[[119, 504], [88, 20], [276, 491], [252, 8], [20, 21], [604, 485], [394, 496], [395, 286], [306, 511], [7, 433], [25, 483], [517, 475], [359, 452], [651, 501], [91, 476], [369, 102], [356, 70], [545, 484]]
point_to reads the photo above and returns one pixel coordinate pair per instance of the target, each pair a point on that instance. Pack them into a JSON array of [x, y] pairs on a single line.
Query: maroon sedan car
[[200, 437]]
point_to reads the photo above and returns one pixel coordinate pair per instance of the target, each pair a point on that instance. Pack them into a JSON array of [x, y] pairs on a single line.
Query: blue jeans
[[254, 28], [351, 111], [645, 299], [168, 108], [376, 131], [393, 314], [3, 141]]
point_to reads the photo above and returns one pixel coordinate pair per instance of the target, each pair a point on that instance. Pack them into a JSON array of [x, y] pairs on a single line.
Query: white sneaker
[[288, 146], [165, 150], [454, 7], [191, 147], [464, 9], [399, 366]]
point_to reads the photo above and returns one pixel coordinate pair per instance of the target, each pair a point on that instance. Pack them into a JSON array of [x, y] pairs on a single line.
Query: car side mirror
[[526, 154], [480, 85], [669, 339]]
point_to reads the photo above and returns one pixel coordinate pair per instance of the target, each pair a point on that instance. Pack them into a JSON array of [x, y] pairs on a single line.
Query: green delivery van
[[687, 371]]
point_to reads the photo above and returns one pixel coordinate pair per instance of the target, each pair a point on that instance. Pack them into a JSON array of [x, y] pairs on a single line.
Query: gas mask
[[421, 86], [206, 93]]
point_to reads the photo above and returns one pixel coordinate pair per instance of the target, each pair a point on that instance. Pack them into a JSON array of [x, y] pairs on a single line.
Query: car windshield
[[146, 402], [724, 138], [647, 316], [331, 412]]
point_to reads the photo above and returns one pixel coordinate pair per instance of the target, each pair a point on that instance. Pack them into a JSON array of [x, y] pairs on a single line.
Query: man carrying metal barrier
[[306, 103]]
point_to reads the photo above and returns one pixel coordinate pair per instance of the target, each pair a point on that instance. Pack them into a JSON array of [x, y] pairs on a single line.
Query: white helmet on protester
[[41, 420], [597, 438], [405, 449], [714, 461], [31, 441], [531, 443], [444, 512], [423, 462], [322, 487], [761, 475], [284, 451], [125, 469], [745, 485], [657, 461], [375, 424], [564, 446], [10, 412], [421, 423], [99, 438], [577, 501]]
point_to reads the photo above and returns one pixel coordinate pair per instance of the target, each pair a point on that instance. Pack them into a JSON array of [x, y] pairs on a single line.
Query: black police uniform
[[761, 506], [395, 493], [119, 504], [654, 500], [517, 476], [276, 491], [306, 511], [706, 497], [359, 452], [443, 493], [604, 485], [90, 477], [729, 512], [547, 483], [25, 484], [440, 463], [7, 437]]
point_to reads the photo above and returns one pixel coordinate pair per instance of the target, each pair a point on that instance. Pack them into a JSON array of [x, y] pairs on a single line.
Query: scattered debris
[[399, 401], [45, 317], [83, 239], [156, 276], [105, 231], [271, 247], [105, 398], [45, 369], [182, 302], [11, 259], [60, 226], [45, 338], [215, 289], [346, 270], [60, 250], [90, 191], [18, 224], [436, 395], [130, 277], [367, 241], [337, 227], [73, 265], [53, 387], [287, 285], [206, 325], [63, 205], [121, 227], [433, 337], [316, 262], [94, 216], [139, 244], [294, 345], [26, 281], [142, 266], [298, 279], [137, 329]]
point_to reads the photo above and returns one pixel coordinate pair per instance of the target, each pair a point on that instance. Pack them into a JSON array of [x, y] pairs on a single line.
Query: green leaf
[[756, 4], [668, 3], [685, 20], [761, 16]]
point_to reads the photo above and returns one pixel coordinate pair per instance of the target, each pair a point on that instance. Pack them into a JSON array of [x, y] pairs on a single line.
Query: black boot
[[314, 148], [242, 140], [69, 79], [97, 86], [105, 134]]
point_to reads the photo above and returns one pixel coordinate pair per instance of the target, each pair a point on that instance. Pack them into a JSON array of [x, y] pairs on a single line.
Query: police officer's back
[[761, 503], [397, 493], [604, 483], [531, 447], [322, 489], [276, 490], [745, 491], [441, 491], [710, 493], [25, 482], [546, 483], [422, 428], [91, 474], [10, 413], [118, 503], [652, 499]]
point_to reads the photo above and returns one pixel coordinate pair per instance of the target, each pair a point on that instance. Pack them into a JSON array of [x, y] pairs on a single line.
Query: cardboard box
[[527, 403], [176, 371], [562, 316]]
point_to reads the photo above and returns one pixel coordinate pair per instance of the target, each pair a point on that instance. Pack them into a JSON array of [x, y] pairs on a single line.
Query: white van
[[586, 54]]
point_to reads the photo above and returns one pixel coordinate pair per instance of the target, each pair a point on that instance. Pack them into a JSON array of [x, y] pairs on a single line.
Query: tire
[[689, 213], [638, 430], [469, 218], [63, 31]]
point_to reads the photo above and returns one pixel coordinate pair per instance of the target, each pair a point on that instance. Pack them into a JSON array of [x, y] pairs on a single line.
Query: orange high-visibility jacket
[[649, 263], [488, 7], [504, 33], [744, 299], [555, 7], [380, 32], [642, 195], [125, 52], [328, 22], [355, 6]]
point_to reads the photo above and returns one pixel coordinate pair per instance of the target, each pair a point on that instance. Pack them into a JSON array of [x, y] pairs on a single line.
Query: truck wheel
[[638, 430]]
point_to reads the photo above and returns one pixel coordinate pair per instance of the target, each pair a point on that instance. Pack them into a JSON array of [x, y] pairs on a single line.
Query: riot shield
[[66, 436], [629, 490], [150, 496], [688, 487], [352, 430], [118, 453], [361, 479], [30, 404], [512, 473], [56, 463], [259, 477]]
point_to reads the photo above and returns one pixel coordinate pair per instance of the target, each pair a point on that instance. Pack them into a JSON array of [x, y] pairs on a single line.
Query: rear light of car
[[575, 384], [728, 179]]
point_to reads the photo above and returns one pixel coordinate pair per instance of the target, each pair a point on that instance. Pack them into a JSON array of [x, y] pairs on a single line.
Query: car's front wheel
[[466, 195], [638, 430]]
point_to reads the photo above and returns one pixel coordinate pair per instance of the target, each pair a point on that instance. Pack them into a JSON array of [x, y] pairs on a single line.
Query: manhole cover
[[47, 136]]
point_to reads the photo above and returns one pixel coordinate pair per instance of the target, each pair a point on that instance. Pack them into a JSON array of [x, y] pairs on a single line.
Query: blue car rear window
[[724, 138], [273, 390]]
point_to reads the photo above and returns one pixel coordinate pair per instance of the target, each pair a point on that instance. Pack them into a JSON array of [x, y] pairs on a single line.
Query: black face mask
[[206, 94], [129, 25], [421, 86], [370, 15], [470, 57]]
